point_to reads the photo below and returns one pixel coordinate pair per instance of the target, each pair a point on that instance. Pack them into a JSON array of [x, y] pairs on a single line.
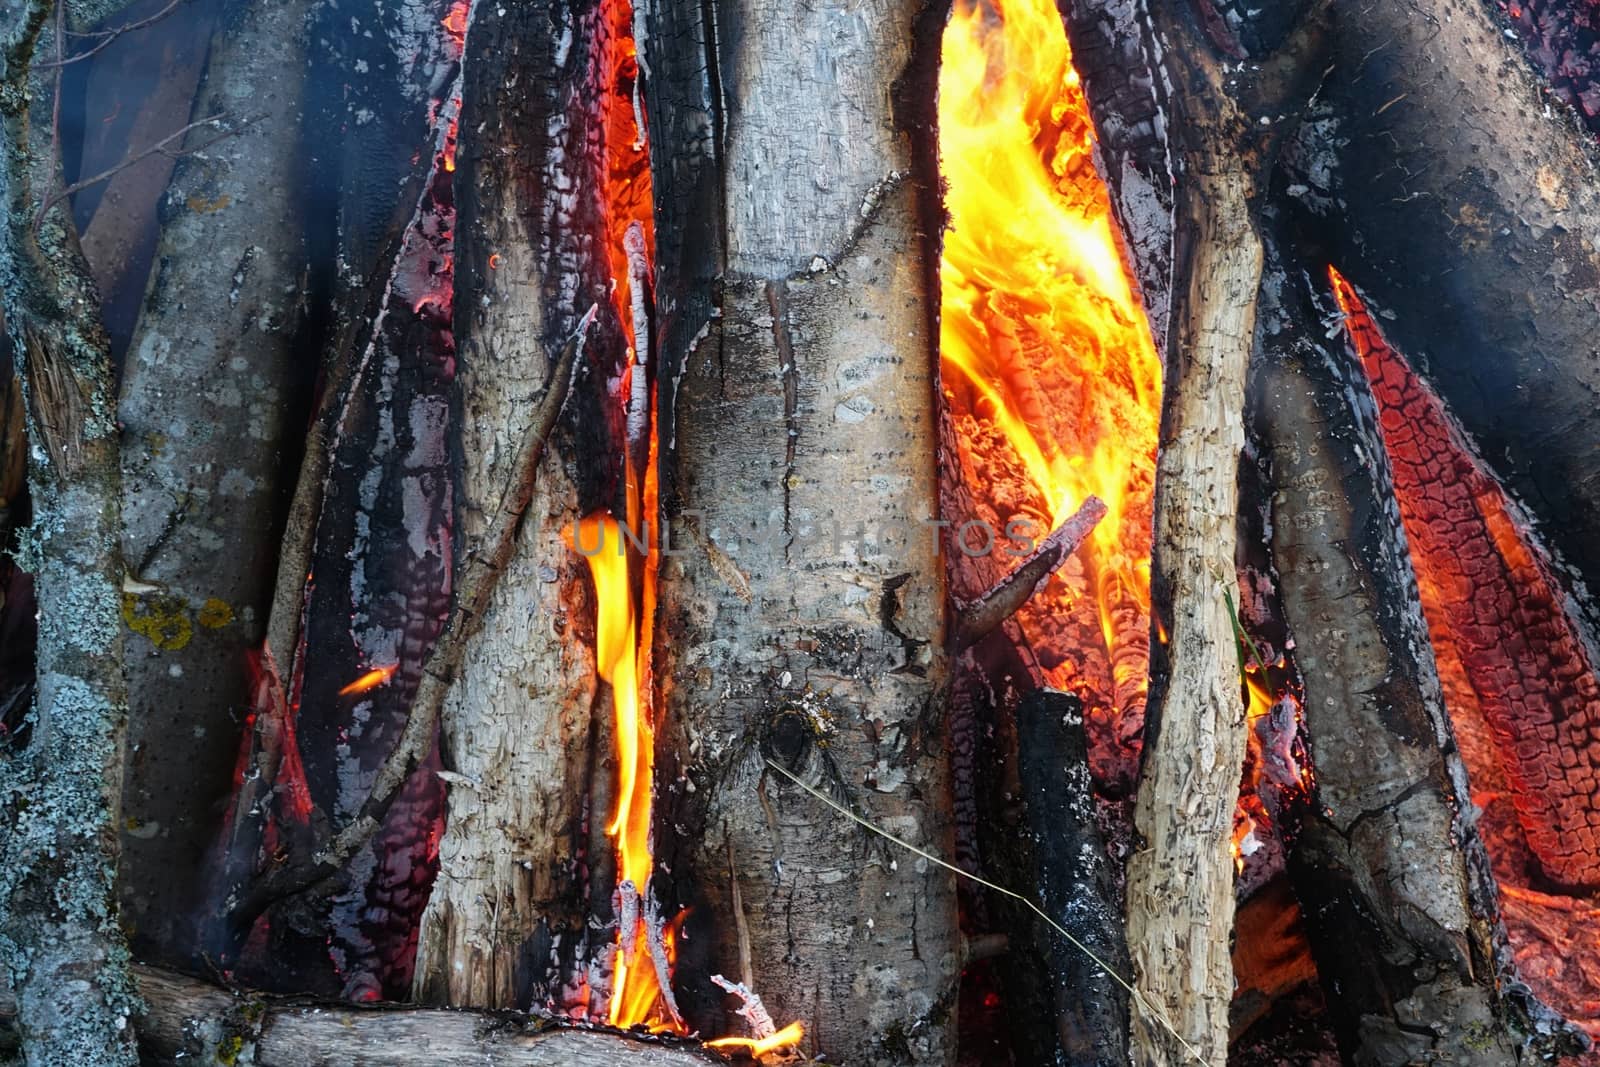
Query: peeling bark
[[207, 392], [60, 939], [787, 633]]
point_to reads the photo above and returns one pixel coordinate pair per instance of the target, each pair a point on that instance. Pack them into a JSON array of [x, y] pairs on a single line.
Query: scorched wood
[[797, 405]]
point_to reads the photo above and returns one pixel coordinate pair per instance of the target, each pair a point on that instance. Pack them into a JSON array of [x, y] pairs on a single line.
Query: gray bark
[[807, 403], [205, 401], [185, 1022], [59, 804]]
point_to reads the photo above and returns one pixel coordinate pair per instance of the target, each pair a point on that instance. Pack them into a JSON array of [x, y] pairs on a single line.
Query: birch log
[[206, 394], [803, 411], [507, 919]]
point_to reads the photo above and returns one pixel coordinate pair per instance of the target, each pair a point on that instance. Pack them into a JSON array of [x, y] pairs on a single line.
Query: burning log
[[508, 923], [822, 354], [210, 338], [1394, 798], [1479, 233]]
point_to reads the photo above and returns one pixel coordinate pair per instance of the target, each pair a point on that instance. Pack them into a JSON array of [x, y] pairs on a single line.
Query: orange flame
[[788, 1037], [1039, 318], [455, 25], [371, 680]]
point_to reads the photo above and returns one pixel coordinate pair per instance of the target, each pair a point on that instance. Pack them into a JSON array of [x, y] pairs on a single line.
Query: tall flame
[[1040, 321]]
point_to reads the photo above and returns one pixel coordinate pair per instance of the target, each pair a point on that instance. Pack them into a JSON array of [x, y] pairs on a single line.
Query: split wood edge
[[482, 574]]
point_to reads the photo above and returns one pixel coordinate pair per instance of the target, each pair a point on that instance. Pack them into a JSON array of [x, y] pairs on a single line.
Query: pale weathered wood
[[1180, 882], [189, 1023], [803, 411]]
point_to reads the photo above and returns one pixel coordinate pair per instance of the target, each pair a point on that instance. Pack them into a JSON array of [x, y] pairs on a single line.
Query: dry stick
[[477, 586], [107, 37], [160, 147], [976, 619], [1003, 891]]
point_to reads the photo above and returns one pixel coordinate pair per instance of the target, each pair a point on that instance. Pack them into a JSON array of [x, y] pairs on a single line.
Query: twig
[[159, 148], [477, 585], [107, 37], [1003, 891], [978, 618]]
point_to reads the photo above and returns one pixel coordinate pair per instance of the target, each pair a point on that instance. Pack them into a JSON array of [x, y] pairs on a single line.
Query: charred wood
[[1469, 208], [1424, 980], [1076, 883], [524, 733]]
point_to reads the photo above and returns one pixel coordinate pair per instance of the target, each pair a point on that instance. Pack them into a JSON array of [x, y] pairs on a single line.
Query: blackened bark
[[60, 802], [1075, 882], [1392, 879], [1469, 205], [525, 729]]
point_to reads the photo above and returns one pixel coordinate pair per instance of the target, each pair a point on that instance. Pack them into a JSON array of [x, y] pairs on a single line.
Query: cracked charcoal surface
[[1496, 601], [1561, 38]]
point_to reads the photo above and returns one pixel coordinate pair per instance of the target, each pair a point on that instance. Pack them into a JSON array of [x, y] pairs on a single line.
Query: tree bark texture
[[523, 732], [186, 1022], [1180, 883], [60, 789], [1470, 205], [800, 412], [208, 392], [1385, 849]]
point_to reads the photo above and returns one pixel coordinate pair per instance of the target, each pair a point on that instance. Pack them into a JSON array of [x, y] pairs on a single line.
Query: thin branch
[[477, 586], [1151, 1008], [107, 37], [159, 148], [978, 618]]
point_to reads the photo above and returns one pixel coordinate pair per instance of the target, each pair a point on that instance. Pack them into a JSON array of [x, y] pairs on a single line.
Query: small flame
[[371, 680], [788, 1037]]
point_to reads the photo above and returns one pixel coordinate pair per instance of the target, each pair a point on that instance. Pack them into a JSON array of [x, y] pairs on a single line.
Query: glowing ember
[[788, 1037], [455, 25], [1051, 377], [370, 680], [1516, 672]]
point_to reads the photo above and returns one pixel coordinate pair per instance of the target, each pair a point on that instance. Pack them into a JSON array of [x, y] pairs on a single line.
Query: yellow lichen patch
[[207, 206], [162, 619], [214, 614]]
